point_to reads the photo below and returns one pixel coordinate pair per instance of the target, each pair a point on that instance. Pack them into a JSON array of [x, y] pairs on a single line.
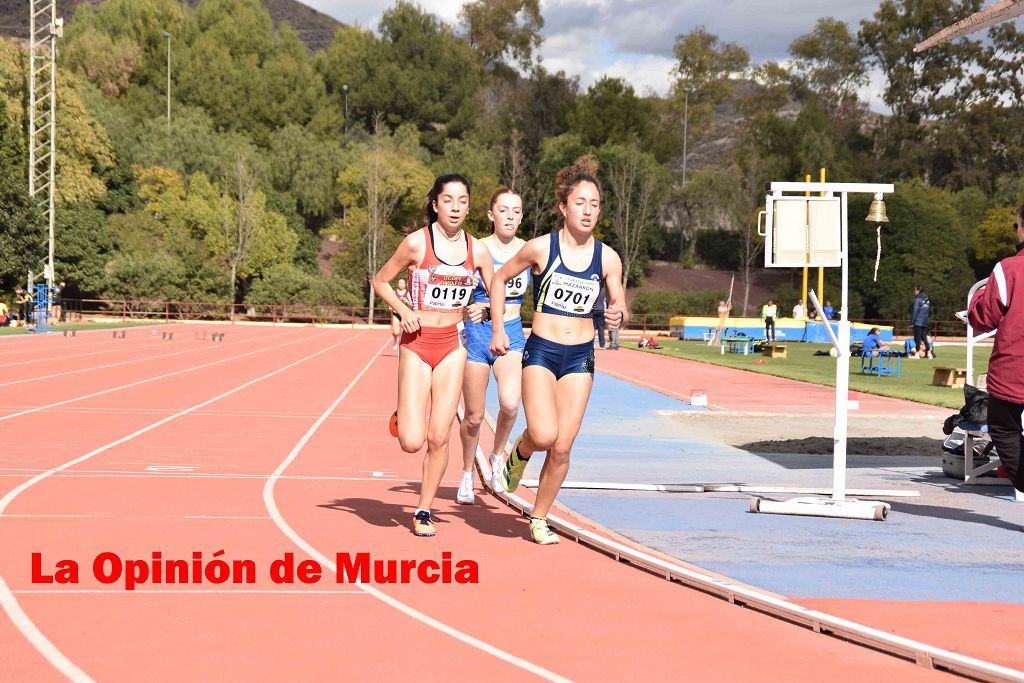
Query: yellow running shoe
[[514, 468], [422, 524], [541, 533]]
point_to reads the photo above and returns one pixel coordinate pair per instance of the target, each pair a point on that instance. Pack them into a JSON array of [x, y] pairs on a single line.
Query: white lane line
[[184, 591], [271, 504], [7, 600], [37, 409], [114, 474], [125, 362], [111, 348]]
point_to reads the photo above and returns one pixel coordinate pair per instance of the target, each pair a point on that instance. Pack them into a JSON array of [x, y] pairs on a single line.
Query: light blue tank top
[[514, 289]]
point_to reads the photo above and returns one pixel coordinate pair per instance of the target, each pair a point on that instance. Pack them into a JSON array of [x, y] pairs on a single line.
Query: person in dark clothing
[[919, 320], [599, 319], [993, 308]]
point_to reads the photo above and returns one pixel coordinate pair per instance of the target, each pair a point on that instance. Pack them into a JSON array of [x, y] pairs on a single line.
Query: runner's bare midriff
[[439, 318], [563, 330]]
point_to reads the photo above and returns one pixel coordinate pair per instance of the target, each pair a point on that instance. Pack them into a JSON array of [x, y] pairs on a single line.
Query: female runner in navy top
[[570, 268], [505, 214]]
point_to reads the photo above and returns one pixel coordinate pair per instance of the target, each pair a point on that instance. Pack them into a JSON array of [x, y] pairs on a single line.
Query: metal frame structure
[[44, 29], [837, 505], [1004, 10]]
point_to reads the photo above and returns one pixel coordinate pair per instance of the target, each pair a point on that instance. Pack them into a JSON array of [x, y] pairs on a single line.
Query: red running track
[[286, 450], [743, 391]]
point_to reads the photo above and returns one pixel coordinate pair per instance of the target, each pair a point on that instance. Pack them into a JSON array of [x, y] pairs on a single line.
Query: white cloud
[[633, 39]]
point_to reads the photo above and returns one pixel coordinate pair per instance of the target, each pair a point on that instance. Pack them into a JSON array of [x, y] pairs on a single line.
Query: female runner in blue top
[[505, 214], [570, 268]]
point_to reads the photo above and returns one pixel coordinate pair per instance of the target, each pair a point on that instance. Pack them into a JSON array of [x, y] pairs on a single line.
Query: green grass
[[914, 384], [84, 326]]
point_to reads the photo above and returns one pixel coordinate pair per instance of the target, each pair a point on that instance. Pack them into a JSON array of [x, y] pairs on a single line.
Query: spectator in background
[[769, 312], [828, 310], [24, 301], [873, 343], [723, 310], [5, 315], [57, 305], [599, 319], [993, 309], [798, 310], [919, 320]]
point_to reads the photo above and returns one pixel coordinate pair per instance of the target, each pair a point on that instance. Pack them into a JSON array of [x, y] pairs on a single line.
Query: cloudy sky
[[633, 38]]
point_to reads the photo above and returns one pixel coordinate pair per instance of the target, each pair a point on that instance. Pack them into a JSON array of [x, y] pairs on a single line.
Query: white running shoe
[[497, 465], [465, 494]]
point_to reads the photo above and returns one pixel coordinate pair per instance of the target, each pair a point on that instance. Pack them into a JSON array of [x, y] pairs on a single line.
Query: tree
[[636, 186], [828, 66], [248, 238], [22, 228], [417, 72], [380, 180], [307, 168], [104, 61], [705, 68], [480, 165], [923, 243], [610, 111], [503, 31], [921, 87]]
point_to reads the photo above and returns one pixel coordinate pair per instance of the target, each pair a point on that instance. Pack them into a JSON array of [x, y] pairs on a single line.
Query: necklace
[[458, 233]]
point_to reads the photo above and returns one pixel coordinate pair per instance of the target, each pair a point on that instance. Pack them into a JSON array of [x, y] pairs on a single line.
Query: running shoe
[[393, 424], [497, 465], [422, 524], [514, 468], [541, 533], [465, 494]]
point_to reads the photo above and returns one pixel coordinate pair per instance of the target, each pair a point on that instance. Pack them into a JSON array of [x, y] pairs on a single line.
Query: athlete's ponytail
[[429, 214]]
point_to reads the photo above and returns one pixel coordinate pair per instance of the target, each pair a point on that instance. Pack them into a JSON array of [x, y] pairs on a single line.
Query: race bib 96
[[516, 287]]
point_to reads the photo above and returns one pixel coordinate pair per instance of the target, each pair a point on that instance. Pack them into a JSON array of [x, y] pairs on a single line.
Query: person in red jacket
[[995, 307]]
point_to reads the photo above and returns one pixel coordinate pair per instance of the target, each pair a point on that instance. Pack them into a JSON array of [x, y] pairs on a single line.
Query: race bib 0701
[[572, 294], [516, 287]]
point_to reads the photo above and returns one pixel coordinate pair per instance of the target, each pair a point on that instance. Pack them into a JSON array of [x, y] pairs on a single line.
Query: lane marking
[[11, 605], [151, 379], [286, 529], [120, 363], [128, 474], [170, 468]]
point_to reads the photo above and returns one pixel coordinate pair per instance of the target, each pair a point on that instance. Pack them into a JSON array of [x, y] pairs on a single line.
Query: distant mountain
[[316, 29]]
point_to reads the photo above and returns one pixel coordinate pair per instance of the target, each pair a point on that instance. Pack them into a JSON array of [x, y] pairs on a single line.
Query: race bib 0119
[[447, 292], [572, 294]]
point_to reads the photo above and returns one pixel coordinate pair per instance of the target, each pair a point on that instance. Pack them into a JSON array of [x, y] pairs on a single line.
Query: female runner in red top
[[442, 260]]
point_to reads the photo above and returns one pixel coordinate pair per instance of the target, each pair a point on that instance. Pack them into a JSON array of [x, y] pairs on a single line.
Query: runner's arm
[[407, 254], [615, 313]]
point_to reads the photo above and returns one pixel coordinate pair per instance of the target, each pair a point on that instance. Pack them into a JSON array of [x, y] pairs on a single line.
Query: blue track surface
[[922, 552]]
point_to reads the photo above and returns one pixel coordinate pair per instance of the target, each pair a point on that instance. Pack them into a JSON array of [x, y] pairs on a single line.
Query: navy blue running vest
[[560, 291]]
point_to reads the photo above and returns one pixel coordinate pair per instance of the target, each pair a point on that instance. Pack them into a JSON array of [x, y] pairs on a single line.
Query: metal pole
[[345, 90], [686, 125], [53, 142], [842, 366], [167, 35]]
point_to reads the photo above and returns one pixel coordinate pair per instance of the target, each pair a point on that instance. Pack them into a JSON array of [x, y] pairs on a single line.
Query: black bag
[[975, 405]]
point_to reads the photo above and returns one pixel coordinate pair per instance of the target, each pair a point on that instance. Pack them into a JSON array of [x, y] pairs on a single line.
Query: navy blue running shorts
[[560, 359]]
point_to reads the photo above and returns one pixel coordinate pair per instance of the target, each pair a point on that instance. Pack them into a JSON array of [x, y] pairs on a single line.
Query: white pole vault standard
[[790, 243]]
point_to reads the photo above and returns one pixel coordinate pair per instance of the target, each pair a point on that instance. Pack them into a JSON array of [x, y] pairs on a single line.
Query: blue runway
[[924, 551]]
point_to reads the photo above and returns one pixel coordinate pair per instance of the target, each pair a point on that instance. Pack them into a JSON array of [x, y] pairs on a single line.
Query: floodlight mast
[[44, 29]]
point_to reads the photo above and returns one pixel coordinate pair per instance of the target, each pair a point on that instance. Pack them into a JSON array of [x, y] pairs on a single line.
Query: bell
[[876, 214]]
